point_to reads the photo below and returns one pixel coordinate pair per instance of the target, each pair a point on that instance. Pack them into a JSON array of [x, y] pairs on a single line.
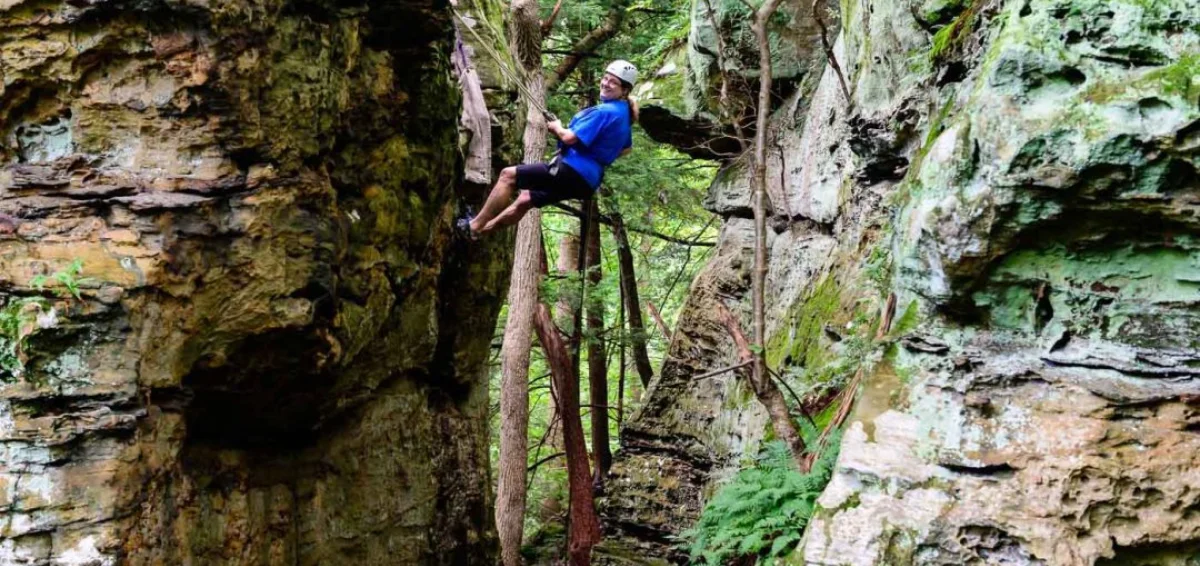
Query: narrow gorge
[[239, 328], [264, 362]]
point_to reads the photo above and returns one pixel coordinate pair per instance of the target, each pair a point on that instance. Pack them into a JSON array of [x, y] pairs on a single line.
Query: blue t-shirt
[[603, 131]]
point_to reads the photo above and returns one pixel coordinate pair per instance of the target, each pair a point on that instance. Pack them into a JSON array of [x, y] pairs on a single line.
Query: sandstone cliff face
[[271, 360], [1021, 176]]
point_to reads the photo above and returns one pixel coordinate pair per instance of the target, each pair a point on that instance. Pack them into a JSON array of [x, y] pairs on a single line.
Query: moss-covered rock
[[269, 360], [1022, 177]]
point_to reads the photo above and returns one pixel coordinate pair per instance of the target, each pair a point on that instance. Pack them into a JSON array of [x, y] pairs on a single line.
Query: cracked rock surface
[[263, 365], [1021, 176]]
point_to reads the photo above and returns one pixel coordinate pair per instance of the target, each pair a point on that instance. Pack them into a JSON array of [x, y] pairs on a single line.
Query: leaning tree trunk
[[633, 307], [584, 529], [511, 493], [597, 364]]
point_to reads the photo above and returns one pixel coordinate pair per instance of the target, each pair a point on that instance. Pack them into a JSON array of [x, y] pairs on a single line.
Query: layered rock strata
[[270, 349], [1021, 177]]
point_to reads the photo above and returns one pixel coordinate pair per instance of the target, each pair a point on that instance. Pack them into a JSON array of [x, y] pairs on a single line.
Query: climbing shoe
[[463, 225]]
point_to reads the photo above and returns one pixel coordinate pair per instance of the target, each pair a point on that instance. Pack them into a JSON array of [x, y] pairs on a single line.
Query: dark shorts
[[545, 188]]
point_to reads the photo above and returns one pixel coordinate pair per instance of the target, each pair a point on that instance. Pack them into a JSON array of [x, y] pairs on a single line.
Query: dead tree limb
[[846, 402], [720, 371], [765, 390], [608, 27], [662, 326], [833, 62], [548, 23], [583, 531]]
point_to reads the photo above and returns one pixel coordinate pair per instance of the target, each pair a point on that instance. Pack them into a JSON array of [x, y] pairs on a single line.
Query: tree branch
[[548, 23], [588, 43], [662, 326], [535, 465], [717, 372], [607, 221], [833, 62]]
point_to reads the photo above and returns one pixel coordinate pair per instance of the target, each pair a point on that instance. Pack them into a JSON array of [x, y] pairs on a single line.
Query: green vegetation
[[802, 345], [69, 278], [17, 321], [19, 317], [762, 512], [949, 38]]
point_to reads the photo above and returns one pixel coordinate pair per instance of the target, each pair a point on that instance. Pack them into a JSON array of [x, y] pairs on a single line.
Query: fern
[[15, 321], [761, 513]]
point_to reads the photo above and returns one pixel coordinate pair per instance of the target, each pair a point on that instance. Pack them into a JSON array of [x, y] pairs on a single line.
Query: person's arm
[[567, 136]]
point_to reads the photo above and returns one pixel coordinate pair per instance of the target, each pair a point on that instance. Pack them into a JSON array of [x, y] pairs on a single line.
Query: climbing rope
[[504, 69]]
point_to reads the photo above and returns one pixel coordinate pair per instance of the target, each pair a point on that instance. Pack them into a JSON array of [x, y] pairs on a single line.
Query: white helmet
[[623, 70]]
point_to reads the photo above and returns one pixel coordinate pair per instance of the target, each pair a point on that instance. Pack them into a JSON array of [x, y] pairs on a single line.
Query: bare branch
[[607, 221], [717, 372], [548, 23], [662, 326], [833, 62], [534, 466], [589, 43]]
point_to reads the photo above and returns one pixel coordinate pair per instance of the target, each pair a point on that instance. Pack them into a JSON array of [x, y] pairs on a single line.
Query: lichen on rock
[[1022, 177]]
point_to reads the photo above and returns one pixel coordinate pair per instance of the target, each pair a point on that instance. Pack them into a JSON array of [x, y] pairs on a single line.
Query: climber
[[594, 138]]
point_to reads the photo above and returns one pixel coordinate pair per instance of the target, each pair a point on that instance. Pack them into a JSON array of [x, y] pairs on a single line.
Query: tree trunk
[[765, 389], [584, 529], [597, 364], [514, 392], [621, 362], [564, 316], [633, 307], [759, 184], [522, 303]]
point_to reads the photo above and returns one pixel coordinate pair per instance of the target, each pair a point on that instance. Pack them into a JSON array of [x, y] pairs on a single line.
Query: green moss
[[937, 12], [1181, 78], [879, 266], [907, 321], [910, 186], [948, 39], [1136, 276], [800, 343]]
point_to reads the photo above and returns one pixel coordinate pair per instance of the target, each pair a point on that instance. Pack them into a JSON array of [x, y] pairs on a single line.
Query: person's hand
[[554, 126]]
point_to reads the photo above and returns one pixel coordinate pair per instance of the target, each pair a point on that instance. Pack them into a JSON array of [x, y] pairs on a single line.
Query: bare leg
[[500, 197], [511, 215]]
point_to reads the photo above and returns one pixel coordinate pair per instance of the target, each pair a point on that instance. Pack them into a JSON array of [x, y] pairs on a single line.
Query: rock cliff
[[233, 329], [1019, 178]]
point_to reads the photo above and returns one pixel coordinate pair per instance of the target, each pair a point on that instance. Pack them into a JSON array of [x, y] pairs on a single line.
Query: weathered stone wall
[[1022, 177], [276, 355]]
